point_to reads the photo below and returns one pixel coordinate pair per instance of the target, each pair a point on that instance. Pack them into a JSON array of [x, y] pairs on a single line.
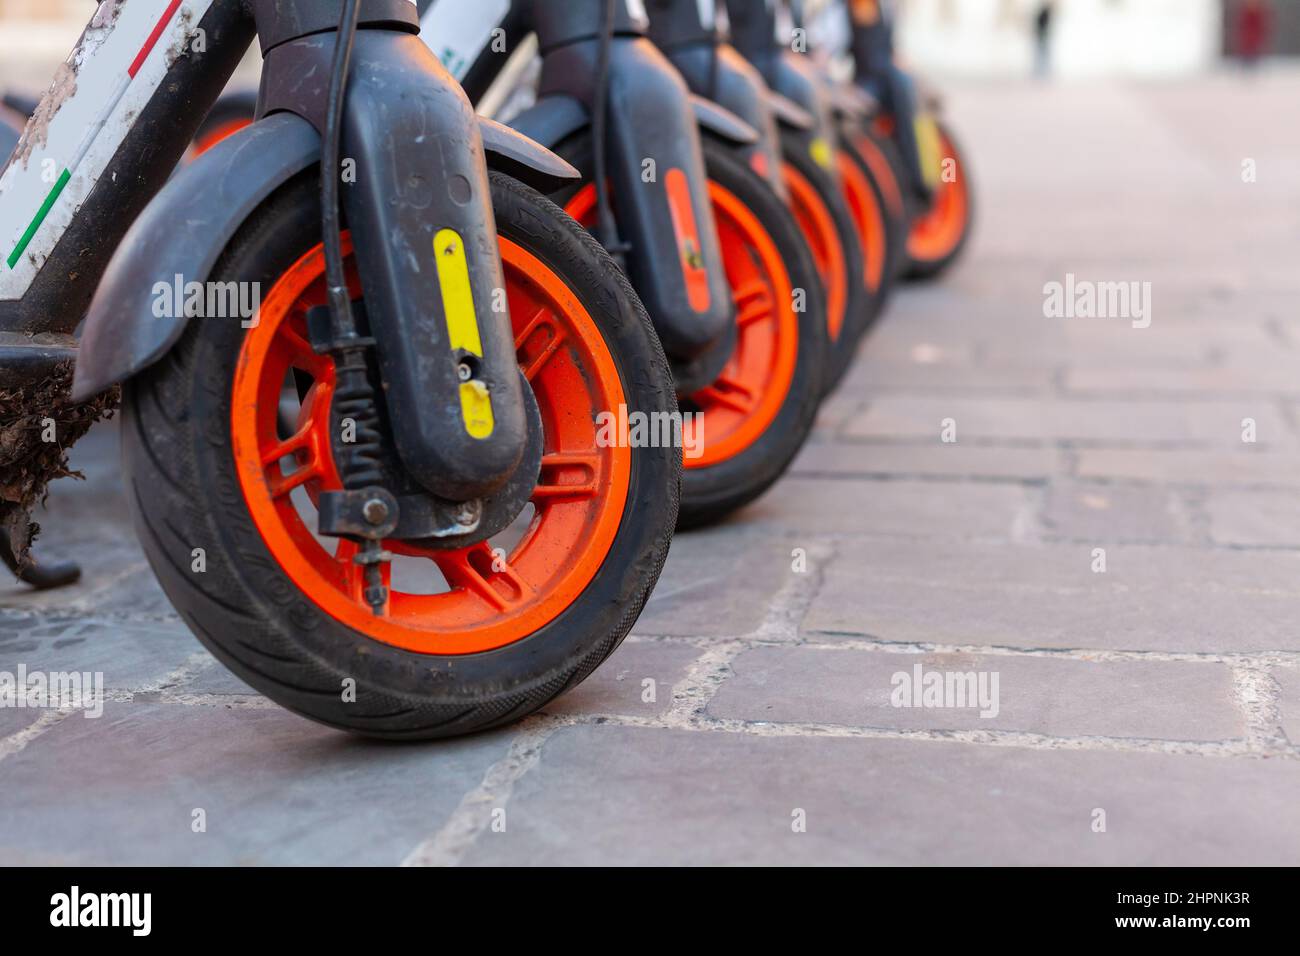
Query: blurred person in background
[[1253, 25], [1043, 39]]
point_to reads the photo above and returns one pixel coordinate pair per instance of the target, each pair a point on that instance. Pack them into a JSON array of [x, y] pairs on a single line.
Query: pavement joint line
[[780, 625], [178, 676], [869, 643], [19, 740], [853, 641], [690, 696], [1061, 444], [887, 476], [1257, 694], [461, 830], [473, 815]]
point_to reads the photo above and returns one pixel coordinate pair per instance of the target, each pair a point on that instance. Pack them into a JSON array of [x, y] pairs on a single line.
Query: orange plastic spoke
[[299, 440], [476, 568], [541, 319], [753, 302], [540, 316], [542, 357], [727, 393], [283, 484], [587, 461]]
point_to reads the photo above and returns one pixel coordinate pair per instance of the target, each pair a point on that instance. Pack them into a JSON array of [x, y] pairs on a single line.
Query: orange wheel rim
[[824, 240], [883, 172], [216, 135], [937, 233], [867, 218], [492, 598], [742, 402]]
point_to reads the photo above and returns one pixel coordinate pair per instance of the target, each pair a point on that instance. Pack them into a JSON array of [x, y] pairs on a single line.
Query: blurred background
[[944, 38]]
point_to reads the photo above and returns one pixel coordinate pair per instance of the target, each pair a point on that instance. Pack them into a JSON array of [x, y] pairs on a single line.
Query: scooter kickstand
[[40, 576]]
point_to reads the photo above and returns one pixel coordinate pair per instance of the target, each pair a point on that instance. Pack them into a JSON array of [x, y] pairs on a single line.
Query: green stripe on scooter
[[39, 217]]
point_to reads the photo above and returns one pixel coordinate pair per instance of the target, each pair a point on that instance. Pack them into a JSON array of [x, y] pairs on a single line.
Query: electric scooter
[[931, 172], [747, 421], [667, 186], [867, 161], [373, 467], [813, 170]]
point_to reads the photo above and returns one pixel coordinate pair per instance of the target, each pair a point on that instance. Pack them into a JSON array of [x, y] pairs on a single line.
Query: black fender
[[212, 197], [723, 122], [673, 258], [523, 158], [557, 116], [552, 119], [182, 232], [788, 113]]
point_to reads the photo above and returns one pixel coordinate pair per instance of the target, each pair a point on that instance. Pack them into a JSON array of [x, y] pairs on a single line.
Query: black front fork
[[416, 200], [715, 70], [754, 33], [872, 42], [656, 173]]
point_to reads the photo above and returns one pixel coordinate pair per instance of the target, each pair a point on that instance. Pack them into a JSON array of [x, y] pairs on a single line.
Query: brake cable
[[354, 395]]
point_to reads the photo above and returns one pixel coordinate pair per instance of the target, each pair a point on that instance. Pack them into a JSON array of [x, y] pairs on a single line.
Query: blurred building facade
[[1088, 37]]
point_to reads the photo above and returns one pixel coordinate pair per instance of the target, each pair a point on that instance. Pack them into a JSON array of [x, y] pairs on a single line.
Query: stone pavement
[[1145, 714]]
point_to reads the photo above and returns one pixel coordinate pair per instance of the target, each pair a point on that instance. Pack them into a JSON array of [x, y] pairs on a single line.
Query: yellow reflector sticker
[[457, 298], [820, 150], [928, 148], [476, 409], [462, 327]]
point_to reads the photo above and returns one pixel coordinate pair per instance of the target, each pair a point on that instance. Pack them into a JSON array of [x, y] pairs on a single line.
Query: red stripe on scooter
[[153, 38], [689, 250]]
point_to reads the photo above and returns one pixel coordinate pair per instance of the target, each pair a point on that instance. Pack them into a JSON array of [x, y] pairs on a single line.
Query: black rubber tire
[[895, 226], [921, 269], [712, 493], [861, 306], [185, 494], [904, 215]]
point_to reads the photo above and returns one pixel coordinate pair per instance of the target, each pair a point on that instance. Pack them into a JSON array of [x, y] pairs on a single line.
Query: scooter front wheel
[[828, 226], [744, 428], [225, 479], [940, 233]]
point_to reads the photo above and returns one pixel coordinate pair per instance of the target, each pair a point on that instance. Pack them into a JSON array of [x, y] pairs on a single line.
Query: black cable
[[336, 283], [359, 468]]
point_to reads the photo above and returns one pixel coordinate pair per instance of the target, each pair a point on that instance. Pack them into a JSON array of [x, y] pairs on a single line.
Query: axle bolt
[[467, 513], [464, 372], [375, 511]]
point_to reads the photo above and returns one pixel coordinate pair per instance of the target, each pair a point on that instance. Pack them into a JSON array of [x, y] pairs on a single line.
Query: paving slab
[[975, 462], [1106, 514], [274, 788], [1249, 465], [1162, 700], [1156, 422], [636, 680], [717, 581], [909, 508], [127, 653], [726, 798], [1255, 518], [1149, 598]]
